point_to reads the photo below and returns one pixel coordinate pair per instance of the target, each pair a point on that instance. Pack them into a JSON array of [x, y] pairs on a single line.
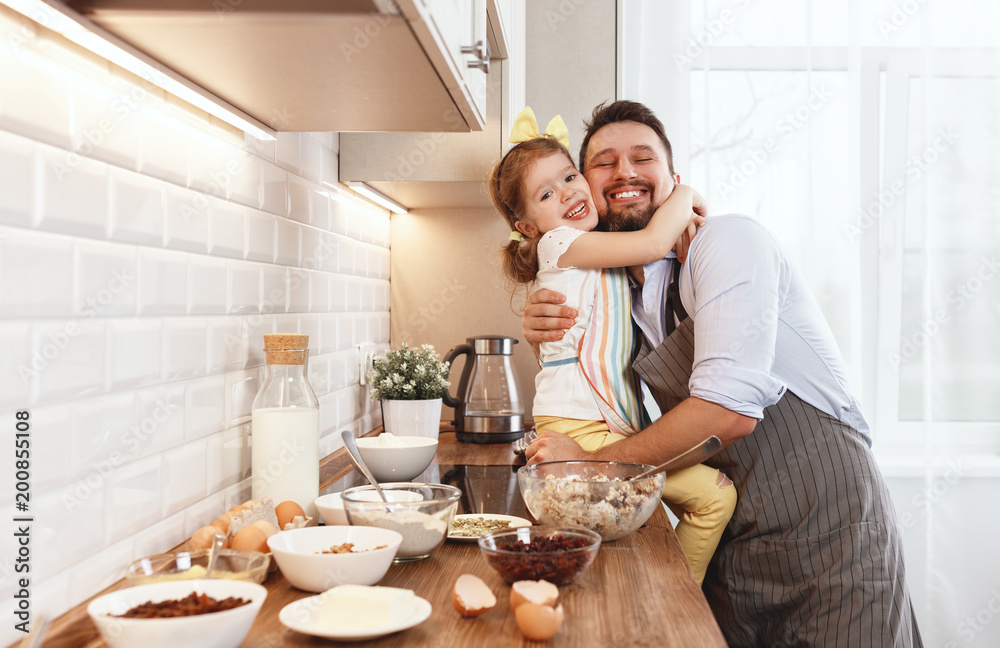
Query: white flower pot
[[412, 417]]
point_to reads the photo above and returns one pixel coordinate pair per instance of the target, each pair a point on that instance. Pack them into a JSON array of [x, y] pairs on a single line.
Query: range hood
[[320, 65]]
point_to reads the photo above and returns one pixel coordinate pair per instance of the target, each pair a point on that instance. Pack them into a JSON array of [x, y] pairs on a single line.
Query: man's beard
[[627, 218]]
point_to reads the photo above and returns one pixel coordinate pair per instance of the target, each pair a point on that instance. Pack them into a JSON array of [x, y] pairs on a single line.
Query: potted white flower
[[409, 383]]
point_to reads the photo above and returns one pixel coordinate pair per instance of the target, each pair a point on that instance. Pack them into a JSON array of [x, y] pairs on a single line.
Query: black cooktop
[[486, 489]]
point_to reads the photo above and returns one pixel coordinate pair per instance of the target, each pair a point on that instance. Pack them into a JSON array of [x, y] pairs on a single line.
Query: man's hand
[[544, 320], [552, 446]]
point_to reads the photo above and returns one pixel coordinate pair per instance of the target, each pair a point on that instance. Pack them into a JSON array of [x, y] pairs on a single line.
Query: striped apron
[[812, 555], [605, 354]]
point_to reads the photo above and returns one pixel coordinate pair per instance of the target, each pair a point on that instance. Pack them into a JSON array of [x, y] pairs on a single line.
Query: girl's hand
[[698, 205], [684, 242]]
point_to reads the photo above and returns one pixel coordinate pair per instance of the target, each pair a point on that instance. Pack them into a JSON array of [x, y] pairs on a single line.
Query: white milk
[[285, 453]]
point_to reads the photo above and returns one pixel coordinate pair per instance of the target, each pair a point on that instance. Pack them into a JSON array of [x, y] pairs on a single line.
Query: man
[[736, 347]]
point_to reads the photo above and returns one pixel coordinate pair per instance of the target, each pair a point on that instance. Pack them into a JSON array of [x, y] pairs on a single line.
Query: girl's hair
[[520, 258]]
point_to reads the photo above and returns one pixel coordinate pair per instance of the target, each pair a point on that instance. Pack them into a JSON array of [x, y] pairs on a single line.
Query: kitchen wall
[[447, 286], [145, 248]]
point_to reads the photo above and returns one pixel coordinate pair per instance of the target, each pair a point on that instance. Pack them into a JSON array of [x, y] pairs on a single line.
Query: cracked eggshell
[[471, 596], [540, 592]]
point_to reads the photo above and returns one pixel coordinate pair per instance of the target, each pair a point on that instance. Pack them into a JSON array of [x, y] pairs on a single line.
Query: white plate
[[298, 617], [515, 522]]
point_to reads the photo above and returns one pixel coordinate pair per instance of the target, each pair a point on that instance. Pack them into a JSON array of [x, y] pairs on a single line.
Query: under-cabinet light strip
[[66, 22], [377, 196]]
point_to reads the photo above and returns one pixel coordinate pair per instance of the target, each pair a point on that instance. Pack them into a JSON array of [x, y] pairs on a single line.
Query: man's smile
[[628, 193]]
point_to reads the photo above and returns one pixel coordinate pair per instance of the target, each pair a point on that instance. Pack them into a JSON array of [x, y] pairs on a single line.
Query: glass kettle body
[[488, 408]]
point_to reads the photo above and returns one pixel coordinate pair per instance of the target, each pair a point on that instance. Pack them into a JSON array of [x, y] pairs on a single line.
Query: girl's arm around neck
[[617, 249]]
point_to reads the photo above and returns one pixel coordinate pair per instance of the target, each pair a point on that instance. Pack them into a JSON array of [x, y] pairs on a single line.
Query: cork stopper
[[286, 348]]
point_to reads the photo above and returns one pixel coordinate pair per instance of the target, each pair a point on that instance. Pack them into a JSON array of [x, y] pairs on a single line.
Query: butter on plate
[[363, 607]]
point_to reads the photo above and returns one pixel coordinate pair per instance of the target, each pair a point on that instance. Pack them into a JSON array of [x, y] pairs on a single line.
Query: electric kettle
[[488, 407]]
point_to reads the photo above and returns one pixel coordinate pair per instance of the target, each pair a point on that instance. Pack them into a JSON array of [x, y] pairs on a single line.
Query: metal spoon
[[355, 456], [701, 452], [213, 553]]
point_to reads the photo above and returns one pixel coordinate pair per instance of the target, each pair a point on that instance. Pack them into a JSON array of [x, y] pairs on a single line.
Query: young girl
[[586, 388]]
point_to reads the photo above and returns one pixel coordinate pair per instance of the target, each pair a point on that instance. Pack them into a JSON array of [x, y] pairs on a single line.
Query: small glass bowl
[[233, 564], [505, 551], [423, 522]]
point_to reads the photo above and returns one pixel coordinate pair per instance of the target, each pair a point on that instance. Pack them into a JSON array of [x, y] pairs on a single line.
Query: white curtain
[[866, 136]]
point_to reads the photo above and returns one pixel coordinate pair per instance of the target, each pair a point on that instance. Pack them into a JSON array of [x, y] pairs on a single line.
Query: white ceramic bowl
[[297, 553], [331, 506], [225, 629], [397, 464]]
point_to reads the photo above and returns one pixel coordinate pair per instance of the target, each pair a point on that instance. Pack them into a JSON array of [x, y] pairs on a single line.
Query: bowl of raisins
[[556, 554]]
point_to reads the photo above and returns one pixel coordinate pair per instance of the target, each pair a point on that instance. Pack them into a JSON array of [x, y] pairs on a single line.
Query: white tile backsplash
[[261, 237], [241, 387], [74, 359], [160, 415], [100, 433], [185, 348], [137, 211], [36, 274], [228, 459], [69, 526], [17, 180], [204, 407], [133, 352], [298, 199], [19, 367], [243, 283], [226, 229], [287, 251], [134, 494], [75, 194], [105, 279], [187, 216], [185, 476], [145, 250], [162, 282], [298, 290], [36, 94], [274, 188], [206, 285]]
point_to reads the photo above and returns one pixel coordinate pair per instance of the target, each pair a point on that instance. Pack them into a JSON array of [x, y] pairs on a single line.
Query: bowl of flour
[[422, 520]]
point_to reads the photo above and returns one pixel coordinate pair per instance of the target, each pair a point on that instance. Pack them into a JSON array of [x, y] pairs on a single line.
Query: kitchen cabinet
[[315, 65], [447, 170], [572, 54], [573, 49]]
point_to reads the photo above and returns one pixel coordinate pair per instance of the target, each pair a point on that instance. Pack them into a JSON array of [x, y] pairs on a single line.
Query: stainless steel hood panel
[[300, 65]]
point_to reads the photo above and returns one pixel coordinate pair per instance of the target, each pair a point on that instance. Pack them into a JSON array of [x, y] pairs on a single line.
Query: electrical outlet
[[366, 357]]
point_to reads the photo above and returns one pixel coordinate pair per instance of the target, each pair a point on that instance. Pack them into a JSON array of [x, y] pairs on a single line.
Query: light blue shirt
[[757, 328]]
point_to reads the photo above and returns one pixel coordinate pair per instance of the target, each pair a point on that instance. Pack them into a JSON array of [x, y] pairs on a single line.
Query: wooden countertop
[[639, 591]]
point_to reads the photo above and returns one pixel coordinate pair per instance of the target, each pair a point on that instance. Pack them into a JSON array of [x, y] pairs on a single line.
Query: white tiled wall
[[144, 251]]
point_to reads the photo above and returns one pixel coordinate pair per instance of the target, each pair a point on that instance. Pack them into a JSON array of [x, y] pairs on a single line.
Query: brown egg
[[538, 622], [265, 526], [286, 512], [202, 538], [250, 538]]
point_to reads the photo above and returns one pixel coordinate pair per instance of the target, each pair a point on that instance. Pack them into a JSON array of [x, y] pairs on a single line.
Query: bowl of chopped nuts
[[555, 554], [595, 495], [192, 613], [316, 559]]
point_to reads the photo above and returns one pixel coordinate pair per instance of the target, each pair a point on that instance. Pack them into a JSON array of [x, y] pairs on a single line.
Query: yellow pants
[[701, 497]]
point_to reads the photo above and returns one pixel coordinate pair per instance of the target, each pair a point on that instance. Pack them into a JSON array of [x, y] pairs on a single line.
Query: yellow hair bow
[[526, 127]]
